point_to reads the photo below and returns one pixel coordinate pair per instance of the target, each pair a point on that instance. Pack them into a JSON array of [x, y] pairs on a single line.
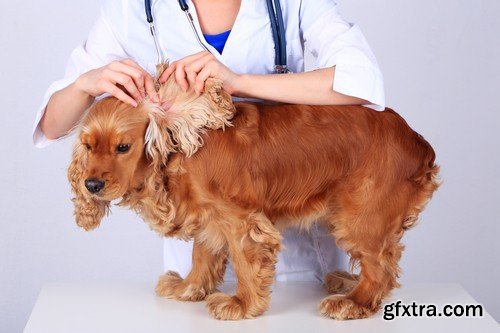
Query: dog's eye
[[87, 146], [122, 148]]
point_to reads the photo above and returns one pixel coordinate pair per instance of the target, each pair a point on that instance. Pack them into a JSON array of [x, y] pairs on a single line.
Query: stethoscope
[[277, 27]]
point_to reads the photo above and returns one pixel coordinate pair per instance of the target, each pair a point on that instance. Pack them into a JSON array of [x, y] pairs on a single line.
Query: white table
[[95, 308]]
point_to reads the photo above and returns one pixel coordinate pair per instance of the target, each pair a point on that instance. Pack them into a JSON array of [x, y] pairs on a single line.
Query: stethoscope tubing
[[278, 31]]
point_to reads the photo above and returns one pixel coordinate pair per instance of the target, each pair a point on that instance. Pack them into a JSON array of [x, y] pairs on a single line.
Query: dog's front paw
[[171, 285], [342, 308], [225, 307]]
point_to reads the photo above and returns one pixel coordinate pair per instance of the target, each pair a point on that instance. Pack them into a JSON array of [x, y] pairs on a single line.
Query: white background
[[441, 65]]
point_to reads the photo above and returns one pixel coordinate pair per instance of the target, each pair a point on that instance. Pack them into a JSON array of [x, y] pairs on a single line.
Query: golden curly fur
[[366, 174]]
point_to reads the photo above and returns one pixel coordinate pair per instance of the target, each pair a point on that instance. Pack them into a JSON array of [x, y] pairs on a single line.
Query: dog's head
[[122, 149]]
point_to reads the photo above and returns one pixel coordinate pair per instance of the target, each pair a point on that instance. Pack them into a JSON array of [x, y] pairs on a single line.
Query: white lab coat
[[122, 31]]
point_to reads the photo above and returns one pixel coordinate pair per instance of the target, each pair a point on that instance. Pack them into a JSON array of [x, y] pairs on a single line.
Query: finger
[[191, 75], [180, 77], [118, 93], [150, 89], [132, 63], [181, 73], [193, 57], [197, 65], [127, 82], [135, 71], [166, 73], [202, 76], [198, 55], [172, 67], [148, 82]]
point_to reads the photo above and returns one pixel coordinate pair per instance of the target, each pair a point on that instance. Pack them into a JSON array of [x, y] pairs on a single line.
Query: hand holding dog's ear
[[197, 69], [123, 79], [88, 211]]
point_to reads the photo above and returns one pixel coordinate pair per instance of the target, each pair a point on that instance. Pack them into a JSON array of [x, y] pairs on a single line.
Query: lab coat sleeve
[[101, 47], [335, 42]]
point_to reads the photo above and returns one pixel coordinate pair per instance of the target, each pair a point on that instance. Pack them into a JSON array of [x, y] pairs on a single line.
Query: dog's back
[[286, 158]]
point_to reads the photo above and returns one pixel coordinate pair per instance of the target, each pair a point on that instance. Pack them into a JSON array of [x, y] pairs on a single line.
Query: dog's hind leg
[[206, 274], [253, 245], [373, 241]]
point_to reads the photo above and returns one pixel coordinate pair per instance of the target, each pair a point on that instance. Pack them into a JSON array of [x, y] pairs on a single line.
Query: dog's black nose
[[94, 185]]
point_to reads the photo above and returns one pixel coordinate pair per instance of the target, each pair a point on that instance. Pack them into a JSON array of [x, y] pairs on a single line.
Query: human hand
[[123, 79], [197, 68]]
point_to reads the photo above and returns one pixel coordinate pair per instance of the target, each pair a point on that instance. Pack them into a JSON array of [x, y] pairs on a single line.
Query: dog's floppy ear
[[221, 102], [156, 207], [179, 120], [88, 211]]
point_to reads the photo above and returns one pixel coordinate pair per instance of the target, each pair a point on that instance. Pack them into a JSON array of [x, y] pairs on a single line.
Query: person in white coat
[[119, 58]]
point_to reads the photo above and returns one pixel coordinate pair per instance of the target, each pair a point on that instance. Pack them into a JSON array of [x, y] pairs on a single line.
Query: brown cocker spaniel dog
[[366, 174]]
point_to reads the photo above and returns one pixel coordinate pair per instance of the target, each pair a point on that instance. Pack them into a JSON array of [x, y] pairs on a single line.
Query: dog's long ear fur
[[179, 120], [155, 206], [222, 104], [88, 211]]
